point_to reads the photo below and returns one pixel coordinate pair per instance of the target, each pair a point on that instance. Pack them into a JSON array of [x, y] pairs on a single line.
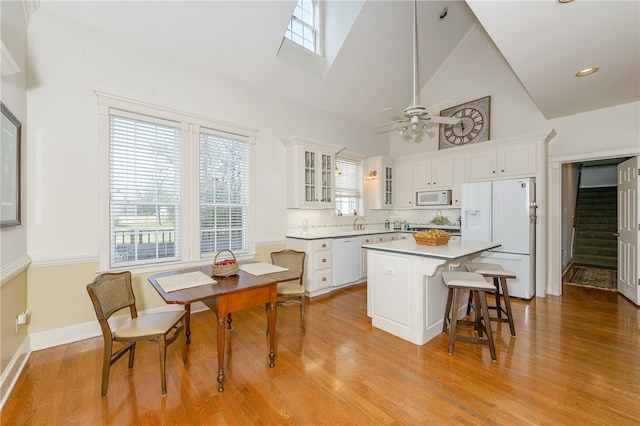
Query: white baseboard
[[12, 372], [87, 330]]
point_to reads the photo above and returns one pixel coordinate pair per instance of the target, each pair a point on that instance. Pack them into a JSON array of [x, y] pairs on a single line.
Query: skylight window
[[303, 27]]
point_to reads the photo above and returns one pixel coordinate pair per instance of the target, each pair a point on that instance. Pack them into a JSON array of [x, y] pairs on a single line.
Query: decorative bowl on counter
[[433, 237]]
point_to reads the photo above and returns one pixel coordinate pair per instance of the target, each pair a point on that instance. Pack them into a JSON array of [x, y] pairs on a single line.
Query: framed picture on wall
[[11, 130]]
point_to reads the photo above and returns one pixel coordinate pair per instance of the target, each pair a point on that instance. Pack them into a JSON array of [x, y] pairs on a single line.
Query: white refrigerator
[[504, 211]]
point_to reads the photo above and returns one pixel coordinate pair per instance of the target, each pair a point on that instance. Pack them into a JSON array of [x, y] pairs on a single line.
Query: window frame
[[189, 207], [352, 157], [316, 28]]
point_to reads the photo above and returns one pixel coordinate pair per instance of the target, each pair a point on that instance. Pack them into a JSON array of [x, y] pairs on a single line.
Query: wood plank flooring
[[575, 360]]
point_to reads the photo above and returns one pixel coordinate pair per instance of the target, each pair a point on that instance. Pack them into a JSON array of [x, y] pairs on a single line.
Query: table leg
[[187, 318], [221, 340], [272, 333]]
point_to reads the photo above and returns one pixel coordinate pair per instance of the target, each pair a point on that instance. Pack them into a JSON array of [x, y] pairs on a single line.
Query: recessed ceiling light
[[444, 12], [564, 1], [587, 71]]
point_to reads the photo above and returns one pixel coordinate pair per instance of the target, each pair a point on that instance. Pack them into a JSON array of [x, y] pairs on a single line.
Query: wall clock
[[473, 125]]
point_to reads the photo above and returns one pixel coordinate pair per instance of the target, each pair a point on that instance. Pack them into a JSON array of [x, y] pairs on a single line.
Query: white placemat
[[182, 281], [261, 268]]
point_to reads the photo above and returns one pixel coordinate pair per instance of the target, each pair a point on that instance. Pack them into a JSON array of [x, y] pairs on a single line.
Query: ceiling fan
[[416, 118]]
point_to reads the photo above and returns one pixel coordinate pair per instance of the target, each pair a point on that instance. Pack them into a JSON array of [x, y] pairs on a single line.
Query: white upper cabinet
[[403, 186], [433, 174], [458, 180], [380, 187], [506, 161], [310, 174]]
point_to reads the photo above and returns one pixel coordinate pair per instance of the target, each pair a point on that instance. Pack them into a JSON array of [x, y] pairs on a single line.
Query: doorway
[[590, 246]]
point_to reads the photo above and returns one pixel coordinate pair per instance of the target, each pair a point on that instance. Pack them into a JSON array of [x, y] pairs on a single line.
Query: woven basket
[[224, 270], [426, 239]]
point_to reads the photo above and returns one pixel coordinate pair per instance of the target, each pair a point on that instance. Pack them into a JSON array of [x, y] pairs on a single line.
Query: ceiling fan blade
[[444, 120], [390, 124]]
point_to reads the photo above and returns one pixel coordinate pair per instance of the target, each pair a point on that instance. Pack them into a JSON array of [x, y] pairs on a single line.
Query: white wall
[[71, 61], [14, 95], [14, 260], [476, 69], [597, 176], [570, 176]]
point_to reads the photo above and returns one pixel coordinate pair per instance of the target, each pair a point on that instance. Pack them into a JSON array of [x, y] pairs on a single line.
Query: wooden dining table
[[227, 295]]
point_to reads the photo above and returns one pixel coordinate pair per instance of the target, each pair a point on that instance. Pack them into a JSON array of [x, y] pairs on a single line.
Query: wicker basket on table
[[227, 269], [432, 238]]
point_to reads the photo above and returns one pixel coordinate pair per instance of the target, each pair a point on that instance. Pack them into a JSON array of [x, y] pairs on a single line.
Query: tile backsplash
[[297, 218]]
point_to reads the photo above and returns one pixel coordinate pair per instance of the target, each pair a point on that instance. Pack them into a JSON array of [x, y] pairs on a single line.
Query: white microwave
[[433, 198]]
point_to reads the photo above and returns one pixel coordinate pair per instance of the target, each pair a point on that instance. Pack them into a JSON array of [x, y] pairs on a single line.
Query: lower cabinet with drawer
[[318, 271]]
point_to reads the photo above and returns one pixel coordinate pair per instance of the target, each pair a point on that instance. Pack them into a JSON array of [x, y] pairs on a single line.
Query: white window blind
[[144, 168], [348, 178], [224, 193], [302, 26], [348, 185]]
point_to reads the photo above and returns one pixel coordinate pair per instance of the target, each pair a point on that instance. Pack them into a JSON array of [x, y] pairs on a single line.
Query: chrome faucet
[[358, 226]]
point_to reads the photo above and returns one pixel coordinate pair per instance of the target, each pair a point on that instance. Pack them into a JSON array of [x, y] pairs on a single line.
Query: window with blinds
[[224, 193], [348, 186], [302, 28], [144, 188], [177, 187]]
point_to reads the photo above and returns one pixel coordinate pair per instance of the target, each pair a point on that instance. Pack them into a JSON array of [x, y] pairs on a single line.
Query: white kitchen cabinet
[[404, 235], [436, 173], [404, 193], [380, 188], [365, 239], [371, 239], [458, 180], [506, 161], [310, 174], [318, 272]]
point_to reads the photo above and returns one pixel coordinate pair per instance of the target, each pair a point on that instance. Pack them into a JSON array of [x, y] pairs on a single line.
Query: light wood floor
[[575, 360]]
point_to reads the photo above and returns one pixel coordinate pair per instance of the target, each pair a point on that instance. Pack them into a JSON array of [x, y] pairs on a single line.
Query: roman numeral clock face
[[472, 127]]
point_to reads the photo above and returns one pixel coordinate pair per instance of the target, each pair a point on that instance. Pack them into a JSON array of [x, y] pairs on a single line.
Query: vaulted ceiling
[[544, 42]]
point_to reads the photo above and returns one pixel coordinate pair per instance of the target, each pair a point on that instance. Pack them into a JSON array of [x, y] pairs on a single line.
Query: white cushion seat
[[157, 323], [499, 275]]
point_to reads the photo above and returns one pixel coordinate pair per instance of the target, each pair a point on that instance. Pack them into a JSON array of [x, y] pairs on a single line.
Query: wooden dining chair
[[291, 292], [112, 292]]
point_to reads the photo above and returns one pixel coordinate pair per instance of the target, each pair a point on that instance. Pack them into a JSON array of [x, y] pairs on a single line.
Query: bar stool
[[499, 276], [477, 286]]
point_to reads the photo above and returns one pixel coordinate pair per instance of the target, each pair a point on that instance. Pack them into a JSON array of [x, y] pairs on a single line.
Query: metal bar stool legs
[[476, 284]]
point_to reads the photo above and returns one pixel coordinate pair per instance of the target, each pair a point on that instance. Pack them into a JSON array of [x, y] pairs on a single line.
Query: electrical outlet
[[22, 318], [389, 270]]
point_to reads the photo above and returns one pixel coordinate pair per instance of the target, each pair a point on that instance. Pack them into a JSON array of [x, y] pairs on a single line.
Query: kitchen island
[[405, 293]]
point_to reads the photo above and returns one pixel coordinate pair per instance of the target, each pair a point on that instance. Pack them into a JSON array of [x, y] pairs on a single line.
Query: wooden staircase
[[596, 223]]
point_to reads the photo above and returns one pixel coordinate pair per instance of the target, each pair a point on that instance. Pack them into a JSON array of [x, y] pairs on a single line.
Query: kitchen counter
[[405, 293], [320, 233], [455, 249]]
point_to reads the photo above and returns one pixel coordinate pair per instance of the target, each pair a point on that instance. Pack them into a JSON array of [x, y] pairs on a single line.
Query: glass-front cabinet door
[[310, 174], [310, 177], [388, 186], [327, 179]]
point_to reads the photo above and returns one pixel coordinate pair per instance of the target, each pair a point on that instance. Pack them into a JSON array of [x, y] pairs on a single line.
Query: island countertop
[[455, 249]]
